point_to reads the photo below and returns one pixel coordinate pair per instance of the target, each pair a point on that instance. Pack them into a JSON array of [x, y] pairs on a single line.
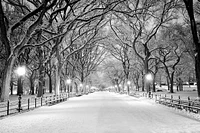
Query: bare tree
[[43, 16], [149, 17], [113, 70]]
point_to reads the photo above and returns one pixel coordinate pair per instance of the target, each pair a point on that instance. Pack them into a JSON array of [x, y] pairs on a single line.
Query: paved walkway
[[101, 112]]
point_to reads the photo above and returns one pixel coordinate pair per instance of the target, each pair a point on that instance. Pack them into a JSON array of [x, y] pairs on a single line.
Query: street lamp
[[149, 79], [81, 85], [68, 85], [128, 82], [69, 81], [21, 70], [81, 89]]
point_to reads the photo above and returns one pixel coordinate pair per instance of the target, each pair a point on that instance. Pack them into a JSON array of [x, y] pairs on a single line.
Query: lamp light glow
[[149, 77], [68, 81], [81, 85], [21, 70]]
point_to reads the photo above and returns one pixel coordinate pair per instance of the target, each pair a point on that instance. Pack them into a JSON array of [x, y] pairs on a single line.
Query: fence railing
[[188, 104], [11, 107]]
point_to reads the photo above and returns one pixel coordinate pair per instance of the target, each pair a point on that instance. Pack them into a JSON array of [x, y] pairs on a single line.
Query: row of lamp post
[[148, 79], [128, 86], [21, 71], [86, 87], [68, 81]]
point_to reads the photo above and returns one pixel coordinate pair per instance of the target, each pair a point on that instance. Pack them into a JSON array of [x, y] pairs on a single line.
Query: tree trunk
[[146, 83], [82, 80], [11, 88], [172, 83], [143, 78], [40, 85], [143, 85], [197, 69], [41, 68], [32, 87], [76, 87], [7, 79], [137, 85], [57, 77], [50, 84], [71, 88], [154, 86], [68, 90], [189, 7], [168, 84], [62, 85]]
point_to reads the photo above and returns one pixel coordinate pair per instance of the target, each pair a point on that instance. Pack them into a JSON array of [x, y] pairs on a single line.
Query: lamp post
[[87, 89], [149, 79], [21, 70], [128, 87], [68, 86], [81, 87]]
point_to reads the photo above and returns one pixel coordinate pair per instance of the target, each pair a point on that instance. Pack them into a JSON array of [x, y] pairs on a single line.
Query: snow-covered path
[[101, 112]]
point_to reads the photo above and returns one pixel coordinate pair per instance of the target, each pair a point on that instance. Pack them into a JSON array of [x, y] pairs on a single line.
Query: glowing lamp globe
[[21, 70], [81, 85], [149, 77], [68, 81]]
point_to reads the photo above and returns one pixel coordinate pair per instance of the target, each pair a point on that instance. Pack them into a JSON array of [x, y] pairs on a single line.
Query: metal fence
[[192, 105], [11, 107]]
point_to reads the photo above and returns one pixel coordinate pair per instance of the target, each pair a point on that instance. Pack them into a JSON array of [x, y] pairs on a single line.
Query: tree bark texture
[[172, 82], [189, 7], [58, 72], [50, 84], [7, 78]]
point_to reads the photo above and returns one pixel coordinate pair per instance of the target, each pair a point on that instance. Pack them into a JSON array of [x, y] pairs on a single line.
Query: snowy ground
[[101, 112]]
